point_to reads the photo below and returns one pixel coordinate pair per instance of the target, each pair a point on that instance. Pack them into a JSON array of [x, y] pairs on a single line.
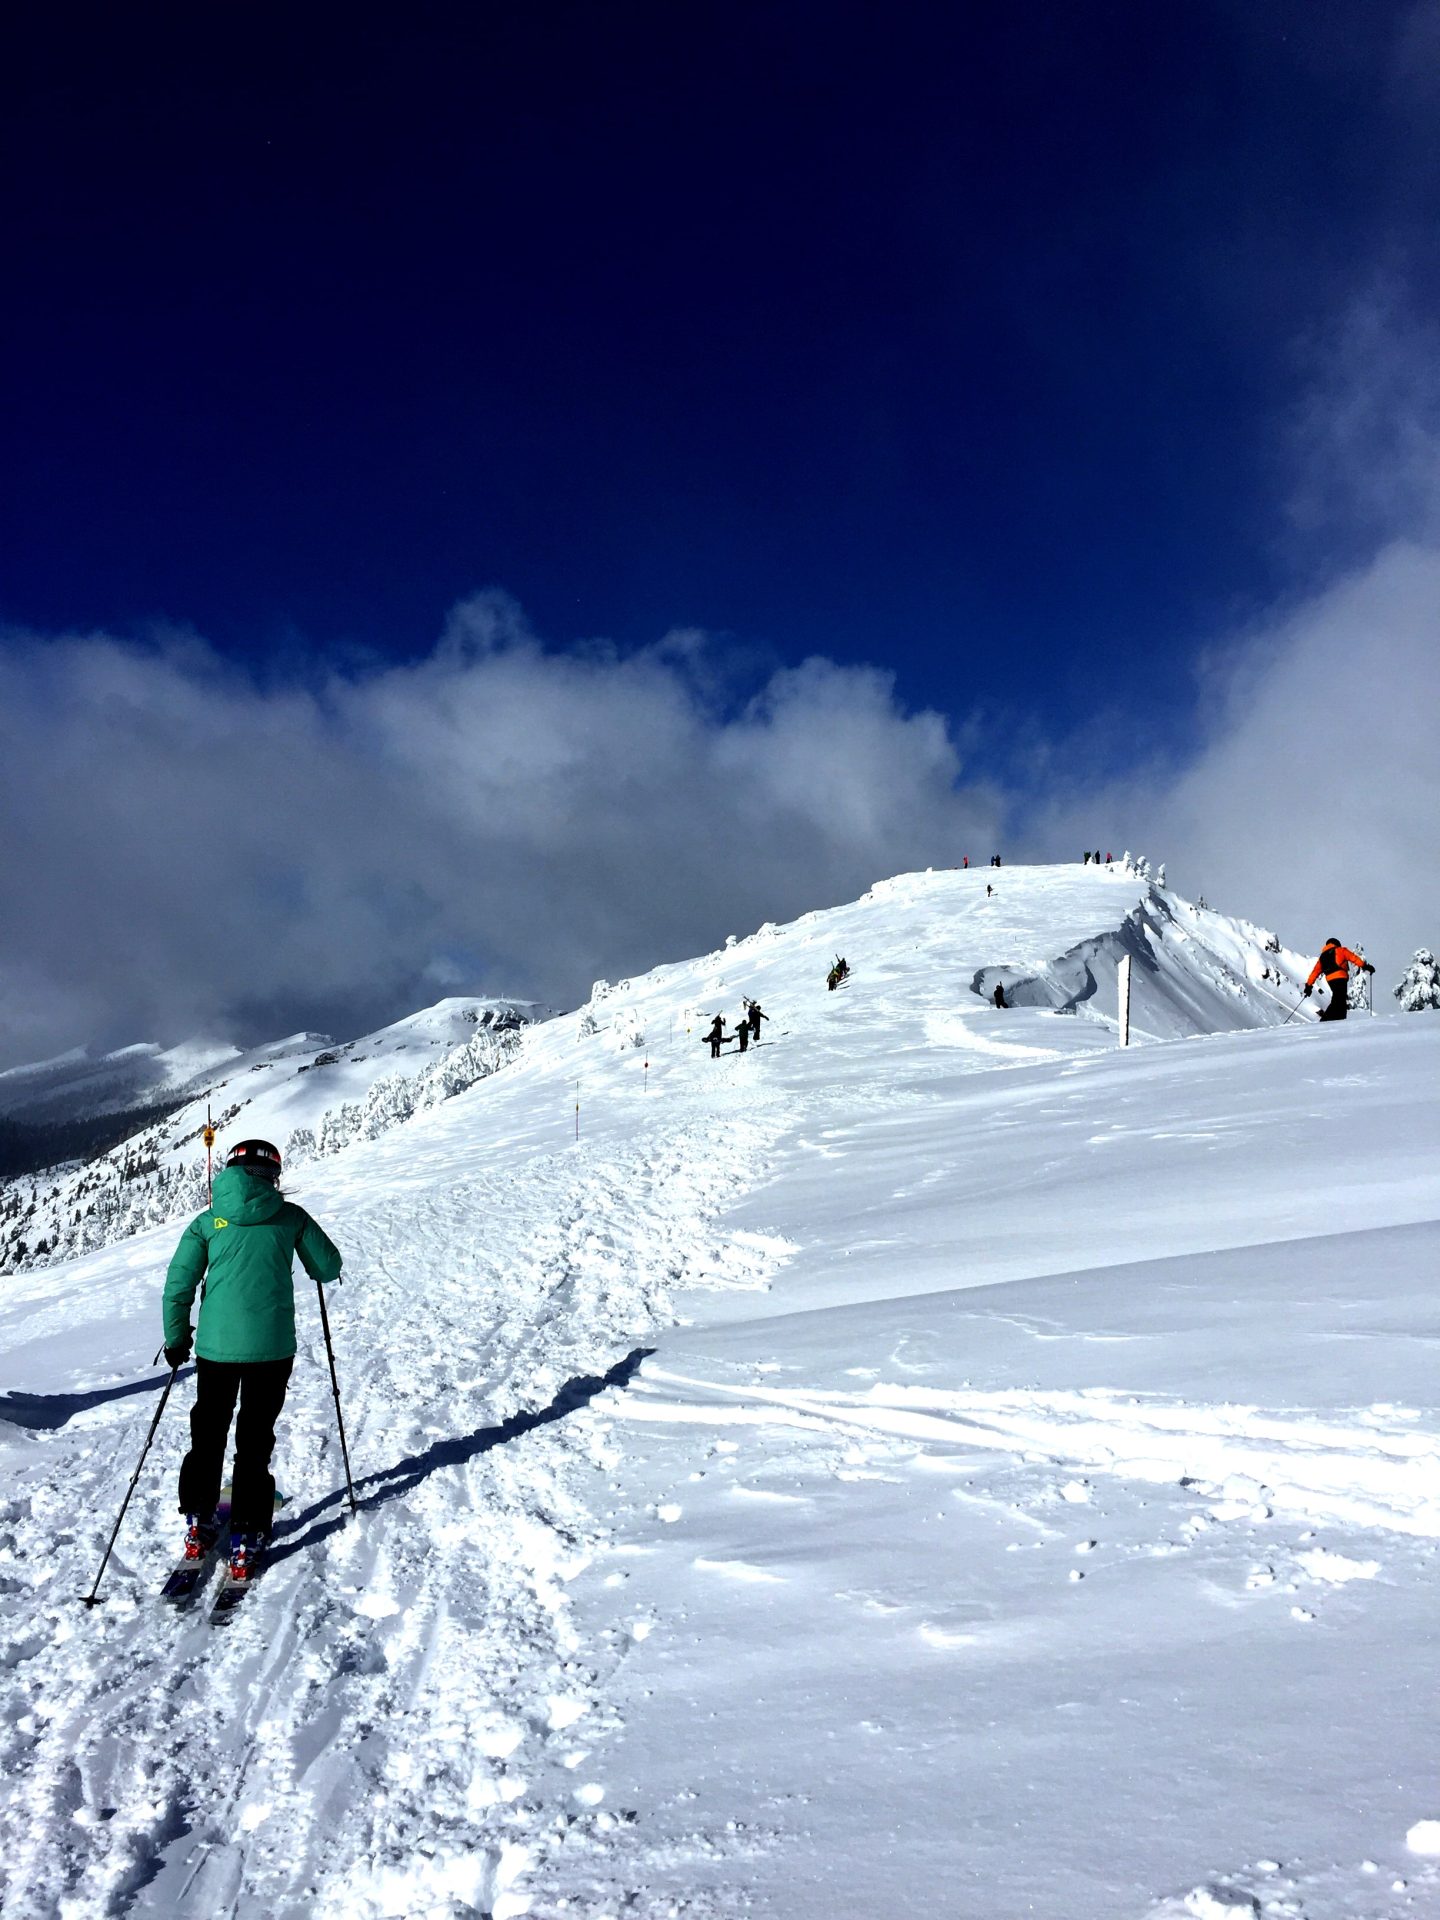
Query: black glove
[[1368, 967], [177, 1355], [1307, 989]]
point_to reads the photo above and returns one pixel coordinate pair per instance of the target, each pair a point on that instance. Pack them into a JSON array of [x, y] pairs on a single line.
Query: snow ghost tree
[[1419, 987], [1160, 876]]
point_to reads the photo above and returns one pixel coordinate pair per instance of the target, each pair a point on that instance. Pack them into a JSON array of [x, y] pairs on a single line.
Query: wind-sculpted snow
[[936, 1463]]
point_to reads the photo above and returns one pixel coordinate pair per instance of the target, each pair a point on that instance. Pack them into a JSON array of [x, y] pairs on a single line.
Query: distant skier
[[242, 1246], [999, 993], [754, 1018], [840, 971], [1335, 963], [988, 889], [1097, 856], [1087, 859], [742, 1031], [717, 1035]]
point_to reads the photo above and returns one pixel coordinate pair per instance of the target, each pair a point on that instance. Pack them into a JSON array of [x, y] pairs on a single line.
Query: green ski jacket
[[243, 1246]]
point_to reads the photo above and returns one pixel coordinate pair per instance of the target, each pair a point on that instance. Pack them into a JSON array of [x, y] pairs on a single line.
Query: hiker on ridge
[[1335, 963], [242, 1246], [717, 1035]]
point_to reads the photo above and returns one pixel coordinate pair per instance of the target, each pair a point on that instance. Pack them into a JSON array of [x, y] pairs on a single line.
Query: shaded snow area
[[936, 1463]]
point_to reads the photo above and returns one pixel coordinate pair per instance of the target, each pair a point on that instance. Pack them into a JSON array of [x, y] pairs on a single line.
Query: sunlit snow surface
[[1034, 1512]]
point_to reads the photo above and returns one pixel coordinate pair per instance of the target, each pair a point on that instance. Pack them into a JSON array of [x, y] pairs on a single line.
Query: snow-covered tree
[[1419, 987], [1160, 876]]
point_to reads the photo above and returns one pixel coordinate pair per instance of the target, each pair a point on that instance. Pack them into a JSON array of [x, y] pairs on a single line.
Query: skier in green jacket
[[242, 1245]]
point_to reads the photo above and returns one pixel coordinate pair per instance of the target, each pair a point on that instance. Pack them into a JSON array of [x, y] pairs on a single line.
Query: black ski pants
[[260, 1387], [1339, 1001]]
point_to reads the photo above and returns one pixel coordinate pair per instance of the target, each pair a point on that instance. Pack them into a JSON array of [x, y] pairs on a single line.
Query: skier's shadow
[[391, 1483], [44, 1412]]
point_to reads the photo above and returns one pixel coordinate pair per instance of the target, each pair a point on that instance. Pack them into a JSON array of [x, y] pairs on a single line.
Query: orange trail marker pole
[[208, 1136]]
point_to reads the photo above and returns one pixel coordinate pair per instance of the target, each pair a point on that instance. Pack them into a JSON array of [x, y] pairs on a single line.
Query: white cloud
[[1312, 805], [190, 848]]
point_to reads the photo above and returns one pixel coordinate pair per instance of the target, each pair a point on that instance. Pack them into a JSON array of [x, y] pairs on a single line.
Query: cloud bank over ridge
[[193, 851], [1311, 804]]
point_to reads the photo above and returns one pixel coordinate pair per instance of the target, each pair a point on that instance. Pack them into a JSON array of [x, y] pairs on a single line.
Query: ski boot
[[247, 1556], [200, 1537]]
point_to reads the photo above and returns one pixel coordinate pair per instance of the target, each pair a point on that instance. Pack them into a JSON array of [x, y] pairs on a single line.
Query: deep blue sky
[[962, 339]]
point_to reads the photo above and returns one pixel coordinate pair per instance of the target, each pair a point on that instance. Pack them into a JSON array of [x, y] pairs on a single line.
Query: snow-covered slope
[[156, 1173], [936, 1463]]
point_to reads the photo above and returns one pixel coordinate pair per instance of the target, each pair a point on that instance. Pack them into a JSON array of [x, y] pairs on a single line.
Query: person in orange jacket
[[1335, 963]]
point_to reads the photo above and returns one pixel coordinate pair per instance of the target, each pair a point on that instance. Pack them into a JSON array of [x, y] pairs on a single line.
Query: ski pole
[[1291, 1015], [335, 1389], [91, 1598]]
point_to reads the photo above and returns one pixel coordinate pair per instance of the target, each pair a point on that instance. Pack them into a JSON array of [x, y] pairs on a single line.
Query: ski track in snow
[[1365, 1474], [370, 1735]]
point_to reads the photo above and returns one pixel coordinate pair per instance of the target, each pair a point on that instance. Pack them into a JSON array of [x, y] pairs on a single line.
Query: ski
[[228, 1600], [188, 1576], [231, 1595]]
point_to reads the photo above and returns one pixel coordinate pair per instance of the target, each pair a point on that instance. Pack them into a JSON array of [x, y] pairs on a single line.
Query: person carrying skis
[[242, 1246], [1335, 963], [753, 1019], [742, 1031], [717, 1035]]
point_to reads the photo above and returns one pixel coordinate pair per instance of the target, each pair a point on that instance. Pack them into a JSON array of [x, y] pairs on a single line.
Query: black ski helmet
[[256, 1156]]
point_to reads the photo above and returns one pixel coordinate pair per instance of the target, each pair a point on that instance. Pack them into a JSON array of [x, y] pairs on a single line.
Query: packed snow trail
[[596, 1646], [381, 1730]]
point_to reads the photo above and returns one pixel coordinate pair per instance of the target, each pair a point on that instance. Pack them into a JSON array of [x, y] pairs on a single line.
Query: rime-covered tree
[[1419, 987]]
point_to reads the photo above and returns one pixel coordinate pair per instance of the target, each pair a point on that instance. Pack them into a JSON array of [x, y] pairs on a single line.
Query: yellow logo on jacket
[[221, 1223]]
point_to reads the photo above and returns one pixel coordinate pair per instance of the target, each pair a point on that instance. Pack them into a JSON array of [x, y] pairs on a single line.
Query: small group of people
[[838, 972], [747, 1029], [1097, 860]]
